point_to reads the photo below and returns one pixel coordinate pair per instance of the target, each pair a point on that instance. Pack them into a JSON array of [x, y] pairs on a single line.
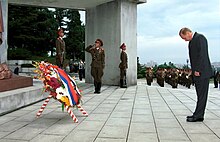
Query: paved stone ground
[[136, 114]]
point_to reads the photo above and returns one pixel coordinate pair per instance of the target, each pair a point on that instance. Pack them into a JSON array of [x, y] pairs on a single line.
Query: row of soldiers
[[171, 76]]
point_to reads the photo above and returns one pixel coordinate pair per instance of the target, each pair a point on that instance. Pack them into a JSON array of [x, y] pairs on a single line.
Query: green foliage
[[27, 66], [34, 30], [165, 66], [75, 39], [19, 53], [30, 28], [141, 70], [185, 67]]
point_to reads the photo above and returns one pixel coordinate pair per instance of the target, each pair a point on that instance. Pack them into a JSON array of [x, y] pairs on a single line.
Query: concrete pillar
[[114, 22], [4, 45]]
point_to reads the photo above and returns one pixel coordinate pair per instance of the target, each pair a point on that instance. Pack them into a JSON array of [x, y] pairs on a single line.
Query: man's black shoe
[[189, 116], [193, 119]]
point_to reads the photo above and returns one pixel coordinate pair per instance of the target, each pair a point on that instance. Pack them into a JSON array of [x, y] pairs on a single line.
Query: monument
[[113, 21]]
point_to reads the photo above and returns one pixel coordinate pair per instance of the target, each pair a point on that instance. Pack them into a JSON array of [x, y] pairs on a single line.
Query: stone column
[[114, 22], [4, 45]]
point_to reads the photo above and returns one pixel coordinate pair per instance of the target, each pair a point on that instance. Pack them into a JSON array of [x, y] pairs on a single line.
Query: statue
[[5, 72]]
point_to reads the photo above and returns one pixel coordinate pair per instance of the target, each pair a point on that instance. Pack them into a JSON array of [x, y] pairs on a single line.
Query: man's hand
[[196, 73]]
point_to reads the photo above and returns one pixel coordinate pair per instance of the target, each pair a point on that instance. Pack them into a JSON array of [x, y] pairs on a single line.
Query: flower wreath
[[60, 85]]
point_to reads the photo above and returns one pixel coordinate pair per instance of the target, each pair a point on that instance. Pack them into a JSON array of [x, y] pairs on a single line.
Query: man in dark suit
[[201, 70]]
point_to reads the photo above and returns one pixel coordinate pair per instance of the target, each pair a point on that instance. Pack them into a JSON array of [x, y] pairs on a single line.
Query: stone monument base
[[15, 82]]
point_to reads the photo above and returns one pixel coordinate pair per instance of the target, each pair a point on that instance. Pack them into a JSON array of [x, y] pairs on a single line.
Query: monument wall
[[115, 23]]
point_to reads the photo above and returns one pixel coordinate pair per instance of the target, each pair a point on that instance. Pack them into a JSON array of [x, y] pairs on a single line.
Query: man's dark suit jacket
[[199, 58]]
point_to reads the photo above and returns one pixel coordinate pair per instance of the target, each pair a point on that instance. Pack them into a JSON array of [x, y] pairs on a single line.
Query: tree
[[75, 40], [141, 69], [31, 29]]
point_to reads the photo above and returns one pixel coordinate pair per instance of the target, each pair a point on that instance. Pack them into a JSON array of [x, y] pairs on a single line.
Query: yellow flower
[[65, 100]]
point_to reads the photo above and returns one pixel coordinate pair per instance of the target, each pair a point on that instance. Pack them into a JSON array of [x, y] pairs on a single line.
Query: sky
[[159, 22]]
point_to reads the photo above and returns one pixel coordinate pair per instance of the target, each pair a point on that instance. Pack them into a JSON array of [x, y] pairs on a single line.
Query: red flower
[[53, 82]]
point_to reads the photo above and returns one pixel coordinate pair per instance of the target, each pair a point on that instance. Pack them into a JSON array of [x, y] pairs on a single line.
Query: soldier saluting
[[123, 66], [98, 63]]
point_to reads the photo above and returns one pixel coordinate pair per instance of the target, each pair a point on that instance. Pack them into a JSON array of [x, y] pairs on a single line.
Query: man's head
[[60, 32], [123, 46], [98, 42], [186, 34]]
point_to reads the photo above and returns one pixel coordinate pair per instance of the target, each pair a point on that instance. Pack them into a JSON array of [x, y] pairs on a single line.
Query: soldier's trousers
[[123, 82], [97, 73], [59, 63], [122, 73]]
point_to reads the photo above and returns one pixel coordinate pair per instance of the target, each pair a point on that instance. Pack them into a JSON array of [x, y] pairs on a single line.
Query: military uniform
[[97, 65], [60, 51], [218, 79], [149, 76], [174, 78], [160, 77], [189, 79], [215, 79], [123, 67]]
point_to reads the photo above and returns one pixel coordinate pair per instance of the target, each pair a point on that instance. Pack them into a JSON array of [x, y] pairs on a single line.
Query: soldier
[[189, 78], [98, 63], [160, 77], [218, 78], [167, 75], [215, 79], [123, 66], [174, 78], [60, 49], [149, 76]]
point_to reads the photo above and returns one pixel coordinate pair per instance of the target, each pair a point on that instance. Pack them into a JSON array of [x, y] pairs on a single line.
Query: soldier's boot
[[162, 84], [96, 87], [125, 84], [121, 83], [99, 84], [148, 82]]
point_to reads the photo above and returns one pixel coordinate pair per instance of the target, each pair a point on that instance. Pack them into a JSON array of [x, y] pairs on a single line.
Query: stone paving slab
[[138, 113]]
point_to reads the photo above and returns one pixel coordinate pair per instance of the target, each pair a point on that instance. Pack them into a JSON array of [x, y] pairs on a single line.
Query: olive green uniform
[[60, 52], [123, 67], [97, 65], [149, 76], [174, 78]]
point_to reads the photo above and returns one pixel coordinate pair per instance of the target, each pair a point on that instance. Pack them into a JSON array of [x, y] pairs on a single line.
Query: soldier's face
[[61, 34], [97, 43]]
